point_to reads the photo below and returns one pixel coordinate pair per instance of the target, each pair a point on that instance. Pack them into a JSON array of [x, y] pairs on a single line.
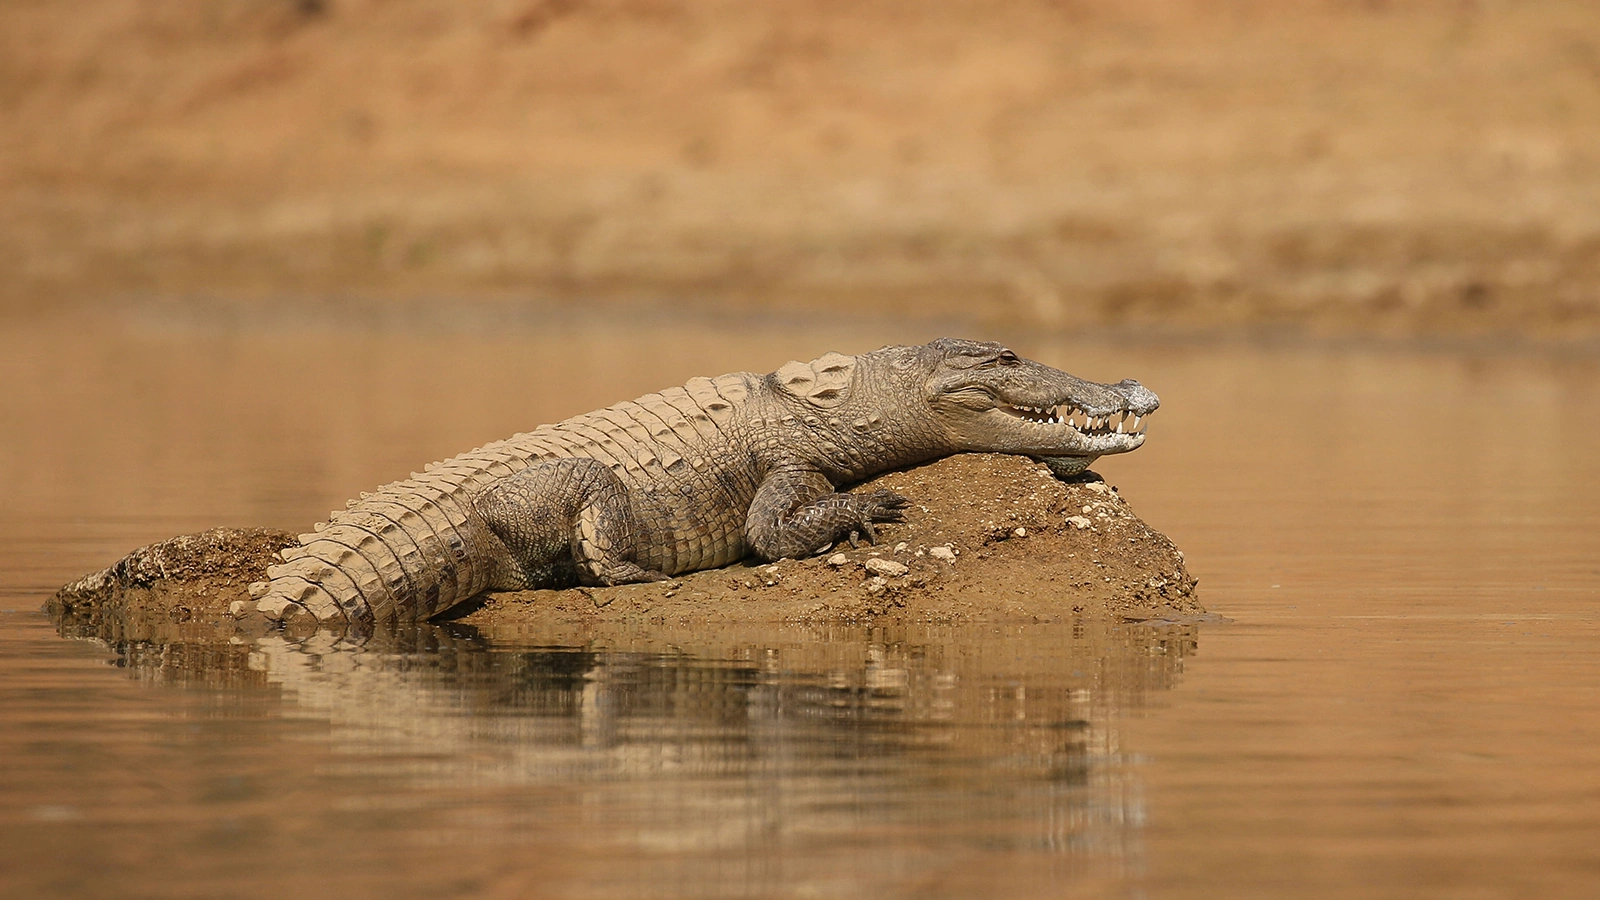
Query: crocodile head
[[989, 399]]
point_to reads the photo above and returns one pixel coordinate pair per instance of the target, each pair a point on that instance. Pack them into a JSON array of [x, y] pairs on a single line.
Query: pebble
[[944, 553], [901, 547], [837, 560], [1021, 532], [886, 567], [1078, 522]]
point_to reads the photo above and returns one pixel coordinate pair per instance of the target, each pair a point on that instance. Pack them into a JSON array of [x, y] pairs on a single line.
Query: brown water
[[1406, 704]]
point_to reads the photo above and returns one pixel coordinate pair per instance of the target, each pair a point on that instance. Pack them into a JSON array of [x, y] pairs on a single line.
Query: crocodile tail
[[405, 552]]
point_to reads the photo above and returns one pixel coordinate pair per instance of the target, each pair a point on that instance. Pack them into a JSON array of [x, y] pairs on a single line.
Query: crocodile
[[692, 477]]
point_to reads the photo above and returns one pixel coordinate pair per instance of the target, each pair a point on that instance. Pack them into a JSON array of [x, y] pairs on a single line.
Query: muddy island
[[986, 537]]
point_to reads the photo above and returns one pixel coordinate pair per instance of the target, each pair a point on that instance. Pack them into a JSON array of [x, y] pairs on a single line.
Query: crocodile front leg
[[564, 521], [797, 512]]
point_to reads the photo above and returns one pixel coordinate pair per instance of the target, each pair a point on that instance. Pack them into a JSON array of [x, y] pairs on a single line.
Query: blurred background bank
[[1331, 167]]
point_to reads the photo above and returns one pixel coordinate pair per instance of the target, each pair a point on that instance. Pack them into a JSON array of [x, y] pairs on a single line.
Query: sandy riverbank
[[1376, 168]]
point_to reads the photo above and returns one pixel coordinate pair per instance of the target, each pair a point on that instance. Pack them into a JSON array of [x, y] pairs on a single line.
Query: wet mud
[[987, 538]]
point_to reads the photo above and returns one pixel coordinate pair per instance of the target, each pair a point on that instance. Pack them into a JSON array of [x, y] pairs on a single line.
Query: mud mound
[[179, 587], [987, 537]]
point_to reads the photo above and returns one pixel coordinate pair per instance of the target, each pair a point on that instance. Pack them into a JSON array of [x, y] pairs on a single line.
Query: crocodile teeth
[[1041, 415], [1082, 421]]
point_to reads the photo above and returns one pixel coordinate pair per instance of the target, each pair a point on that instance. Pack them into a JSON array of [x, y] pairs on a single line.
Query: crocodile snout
[[1140, 399]]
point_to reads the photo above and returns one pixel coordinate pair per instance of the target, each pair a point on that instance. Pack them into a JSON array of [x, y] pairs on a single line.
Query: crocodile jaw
[[1067, 430], [990, 399]]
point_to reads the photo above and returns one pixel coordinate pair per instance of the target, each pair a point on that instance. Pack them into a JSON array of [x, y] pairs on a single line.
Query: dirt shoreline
[[1394, 169], [988, 538]]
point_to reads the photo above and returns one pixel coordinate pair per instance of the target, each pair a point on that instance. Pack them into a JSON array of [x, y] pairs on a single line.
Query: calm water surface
[[1406, 703]]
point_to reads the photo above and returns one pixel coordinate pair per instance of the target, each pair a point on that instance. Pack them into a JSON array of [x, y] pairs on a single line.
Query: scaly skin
[[691, 478]]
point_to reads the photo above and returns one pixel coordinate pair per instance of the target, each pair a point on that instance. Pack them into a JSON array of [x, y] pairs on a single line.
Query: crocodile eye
[[1006, 356]]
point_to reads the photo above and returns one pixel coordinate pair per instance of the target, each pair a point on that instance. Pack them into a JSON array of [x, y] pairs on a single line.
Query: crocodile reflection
[[717, 738]]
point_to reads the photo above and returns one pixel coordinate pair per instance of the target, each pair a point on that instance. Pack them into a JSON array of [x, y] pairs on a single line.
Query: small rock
[[945, 553], [837, 560], [238, 609], [901, 547], [1078, 522], [1099, 487], [1021, 532], [886, 567]]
